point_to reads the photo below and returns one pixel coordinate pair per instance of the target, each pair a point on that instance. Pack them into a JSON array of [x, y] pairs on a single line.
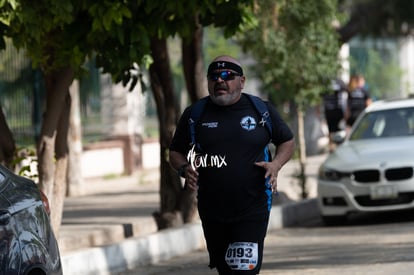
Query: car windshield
[[385, 123]]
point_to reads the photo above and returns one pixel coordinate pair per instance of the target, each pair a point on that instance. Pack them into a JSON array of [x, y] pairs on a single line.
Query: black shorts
[[350, 121], [332, 120], [219, 236]]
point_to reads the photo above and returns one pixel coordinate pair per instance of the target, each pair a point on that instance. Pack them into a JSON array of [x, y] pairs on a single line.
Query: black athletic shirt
[[357, 102], [231, 140]]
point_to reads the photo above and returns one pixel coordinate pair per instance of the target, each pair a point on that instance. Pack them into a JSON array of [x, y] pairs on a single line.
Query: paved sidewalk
[[111, 227], [110, 211]]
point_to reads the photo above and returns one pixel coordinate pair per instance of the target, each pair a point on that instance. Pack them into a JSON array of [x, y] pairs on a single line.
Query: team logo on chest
[[248, 123]]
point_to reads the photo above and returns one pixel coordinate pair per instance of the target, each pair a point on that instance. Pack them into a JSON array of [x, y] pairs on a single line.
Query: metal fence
[[22, 97]]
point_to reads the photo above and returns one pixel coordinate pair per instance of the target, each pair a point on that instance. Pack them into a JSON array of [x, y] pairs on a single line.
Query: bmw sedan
[[27, 243], [372, 169]]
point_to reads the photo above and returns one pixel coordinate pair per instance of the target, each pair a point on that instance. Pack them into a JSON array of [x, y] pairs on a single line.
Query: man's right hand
[[191, 178]]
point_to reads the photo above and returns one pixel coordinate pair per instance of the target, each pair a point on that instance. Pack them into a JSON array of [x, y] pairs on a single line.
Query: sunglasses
[[224, 75]]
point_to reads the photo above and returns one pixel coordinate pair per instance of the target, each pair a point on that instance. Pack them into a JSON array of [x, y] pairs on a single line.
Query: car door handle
[[4, 217]]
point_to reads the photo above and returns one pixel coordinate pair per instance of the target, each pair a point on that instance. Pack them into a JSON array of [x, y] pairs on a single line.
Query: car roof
[[388, 104]]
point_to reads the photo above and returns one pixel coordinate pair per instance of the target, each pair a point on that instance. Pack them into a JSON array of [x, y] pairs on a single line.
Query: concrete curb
[[299, 213], [135, 252], [168, 243]]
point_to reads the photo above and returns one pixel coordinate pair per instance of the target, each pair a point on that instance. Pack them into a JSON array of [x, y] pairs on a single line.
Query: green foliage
[[58, 34], [296, 48], [380, 18], [25, 163], [215, 43], [231, 15], [64, 33]]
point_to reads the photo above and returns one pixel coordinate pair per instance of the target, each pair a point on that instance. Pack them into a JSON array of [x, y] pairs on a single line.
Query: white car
[[372, 170]]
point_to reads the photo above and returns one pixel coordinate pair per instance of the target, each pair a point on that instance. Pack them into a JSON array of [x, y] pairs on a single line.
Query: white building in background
[[120, 149], [122, 110], [406, 59]]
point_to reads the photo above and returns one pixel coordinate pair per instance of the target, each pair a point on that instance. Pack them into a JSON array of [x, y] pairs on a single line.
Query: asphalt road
[[367, 244]]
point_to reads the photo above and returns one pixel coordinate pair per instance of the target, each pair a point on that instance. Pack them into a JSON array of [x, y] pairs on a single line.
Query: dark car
[[27, 243]]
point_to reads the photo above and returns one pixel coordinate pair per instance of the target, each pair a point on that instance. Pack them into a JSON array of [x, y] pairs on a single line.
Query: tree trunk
[[177, 205], [196, 83], [74, 175], [7, 143], [52, 149], [302, 152], [193, 64], [167, 108], [62, 155]]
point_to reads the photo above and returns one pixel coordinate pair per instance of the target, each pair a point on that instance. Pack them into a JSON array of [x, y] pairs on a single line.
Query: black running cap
[[219, 65]]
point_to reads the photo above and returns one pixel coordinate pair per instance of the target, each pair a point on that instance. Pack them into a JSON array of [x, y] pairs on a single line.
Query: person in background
[[358, 98], [334, 108], [231, 168]]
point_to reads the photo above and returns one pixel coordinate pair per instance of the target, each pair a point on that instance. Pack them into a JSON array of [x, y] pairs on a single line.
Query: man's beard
[[225, 99]]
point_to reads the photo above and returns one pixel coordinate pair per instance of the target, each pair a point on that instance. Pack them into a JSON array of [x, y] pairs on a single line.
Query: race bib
[[242, 256]]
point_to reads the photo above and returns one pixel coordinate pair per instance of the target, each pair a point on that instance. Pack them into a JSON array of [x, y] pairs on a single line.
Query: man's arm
[[283, 154], [179, 162]]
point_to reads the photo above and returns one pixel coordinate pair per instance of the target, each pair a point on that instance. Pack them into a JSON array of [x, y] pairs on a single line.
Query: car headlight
[[331, 174]]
